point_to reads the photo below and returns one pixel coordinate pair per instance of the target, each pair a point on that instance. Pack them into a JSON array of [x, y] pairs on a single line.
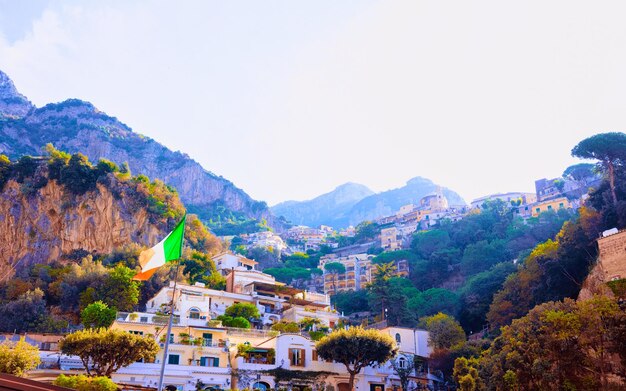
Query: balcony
[[146, 318]]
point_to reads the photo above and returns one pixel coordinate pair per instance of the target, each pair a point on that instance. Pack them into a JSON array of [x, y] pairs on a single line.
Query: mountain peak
[[12, 103]]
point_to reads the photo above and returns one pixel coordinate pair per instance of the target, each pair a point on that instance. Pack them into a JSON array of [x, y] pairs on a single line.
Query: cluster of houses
[[202, 350]]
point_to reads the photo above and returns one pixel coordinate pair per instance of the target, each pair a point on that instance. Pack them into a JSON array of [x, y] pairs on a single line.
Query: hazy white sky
[[289, 99]]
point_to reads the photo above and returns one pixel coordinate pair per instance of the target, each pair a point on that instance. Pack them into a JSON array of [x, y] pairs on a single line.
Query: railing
[[131, 317], [251, 332], [377, 325]]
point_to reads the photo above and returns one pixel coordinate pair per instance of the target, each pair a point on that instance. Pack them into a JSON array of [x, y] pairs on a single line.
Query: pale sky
[[289, 99]]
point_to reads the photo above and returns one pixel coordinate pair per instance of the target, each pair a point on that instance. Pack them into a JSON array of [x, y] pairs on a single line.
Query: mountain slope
[[77, 126], [325, 208], [351, 204], [388, 202]]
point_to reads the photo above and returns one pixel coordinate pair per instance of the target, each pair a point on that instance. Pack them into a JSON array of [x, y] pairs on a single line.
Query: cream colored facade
[[389, 239], [359, 269], [544, 206], [227, 261], [209, 354]]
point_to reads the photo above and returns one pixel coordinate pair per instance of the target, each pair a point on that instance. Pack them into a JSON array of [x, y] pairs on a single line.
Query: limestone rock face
[[595, 284], [41, 228]]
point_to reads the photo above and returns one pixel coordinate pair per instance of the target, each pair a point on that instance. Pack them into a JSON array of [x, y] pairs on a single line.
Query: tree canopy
[[356, 348], [609, 149], [105, 351]]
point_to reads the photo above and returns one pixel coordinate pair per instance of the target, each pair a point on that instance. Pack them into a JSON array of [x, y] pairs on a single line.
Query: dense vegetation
[[543, 339], [455, 268]]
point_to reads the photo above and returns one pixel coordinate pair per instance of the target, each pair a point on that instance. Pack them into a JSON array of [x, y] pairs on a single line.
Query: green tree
[[119, 290], [5, 170], [609, 149], [238, 322], [356, 348], [105, 351], [350, 302], [444, 331], [580, 172], [17, 358], [97, 315], [366, 230], [466, 373], [244, 310], [433, 301]]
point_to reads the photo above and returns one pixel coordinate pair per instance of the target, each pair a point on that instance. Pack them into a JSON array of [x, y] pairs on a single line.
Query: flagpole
[[169, 330]]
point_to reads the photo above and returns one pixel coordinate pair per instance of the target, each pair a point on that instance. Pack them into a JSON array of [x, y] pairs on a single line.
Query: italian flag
[[168, 249]]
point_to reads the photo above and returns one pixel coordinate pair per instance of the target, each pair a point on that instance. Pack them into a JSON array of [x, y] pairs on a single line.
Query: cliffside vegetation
[[50, 295]]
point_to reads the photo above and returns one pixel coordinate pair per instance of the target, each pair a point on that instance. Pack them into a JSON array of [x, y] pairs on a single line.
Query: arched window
[[398, 339], [194, 313], [402, 363]]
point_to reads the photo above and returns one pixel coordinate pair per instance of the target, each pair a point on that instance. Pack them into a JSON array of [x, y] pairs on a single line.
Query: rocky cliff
[[50, 224], [77, 126], [60, 209]]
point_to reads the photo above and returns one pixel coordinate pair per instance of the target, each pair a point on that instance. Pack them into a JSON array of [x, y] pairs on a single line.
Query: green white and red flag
[[169, 249]]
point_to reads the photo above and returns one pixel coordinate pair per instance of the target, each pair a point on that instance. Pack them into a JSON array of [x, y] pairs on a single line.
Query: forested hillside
[[535, 335]]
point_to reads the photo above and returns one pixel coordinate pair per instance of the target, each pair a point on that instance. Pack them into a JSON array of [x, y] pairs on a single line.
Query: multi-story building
[[227, 261], [202, 350], [358, 274], [389, 239], [553, 204], [210, 354], [265, 239], [525, 198]]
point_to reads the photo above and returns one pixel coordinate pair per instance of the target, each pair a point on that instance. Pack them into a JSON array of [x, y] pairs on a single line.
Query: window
[[538, 210], [296, 357], [314, 355], [561, 205], [173, 359], [549, 207], [143, 319], [402, 363], [398, 339], [194, 313], [209, 361], [207, 339]]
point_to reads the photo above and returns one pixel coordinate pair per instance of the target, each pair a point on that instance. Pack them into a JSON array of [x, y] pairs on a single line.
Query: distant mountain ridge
[[368, 207], [322, 209], [77, 126]]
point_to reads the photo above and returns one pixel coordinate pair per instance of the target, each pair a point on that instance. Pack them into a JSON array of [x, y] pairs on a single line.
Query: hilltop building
[[524, 198], [535, 209]]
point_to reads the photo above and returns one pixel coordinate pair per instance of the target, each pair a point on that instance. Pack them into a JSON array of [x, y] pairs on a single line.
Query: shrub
[[85, 383], [17, 358]]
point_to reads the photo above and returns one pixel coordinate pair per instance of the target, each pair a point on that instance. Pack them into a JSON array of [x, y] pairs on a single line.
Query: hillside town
[[312, 196]]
